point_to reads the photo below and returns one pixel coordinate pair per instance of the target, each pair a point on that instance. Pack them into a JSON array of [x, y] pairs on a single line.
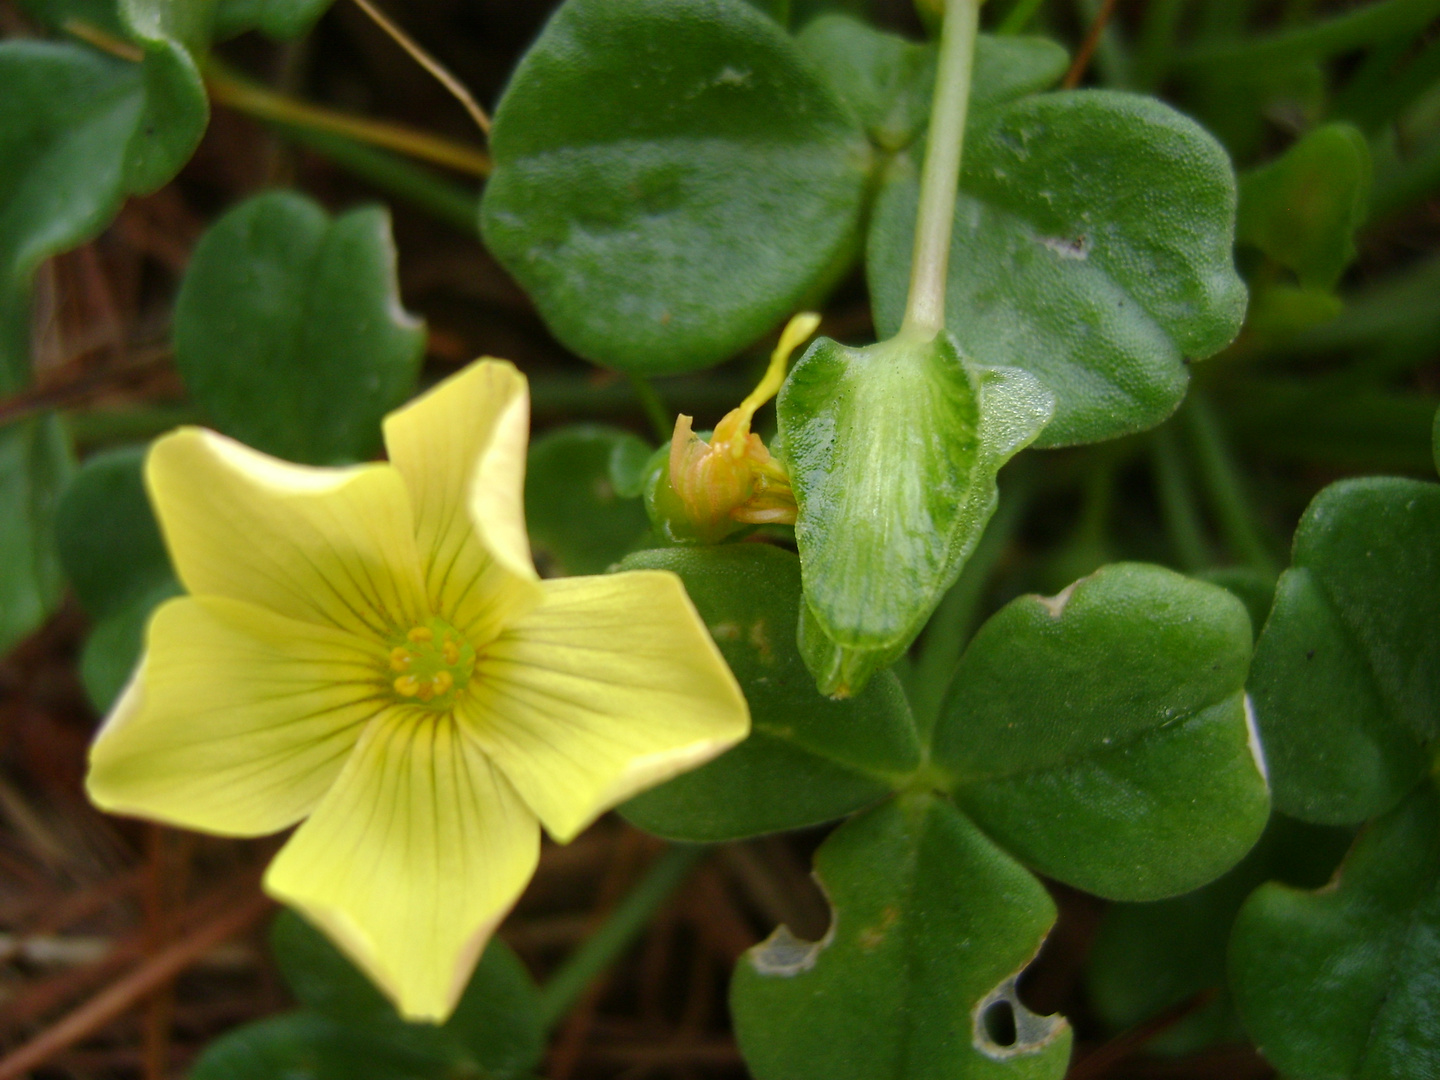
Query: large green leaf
[[78, 132], [915, 980], [1347, 670], [1101, 735], [289, 331], [807, 759], [672, 178], [892, 451], [1303, 208], [495, 1028], [1150, 958], [579, 522], [1343, 983], [35, 465], [1091, 246]]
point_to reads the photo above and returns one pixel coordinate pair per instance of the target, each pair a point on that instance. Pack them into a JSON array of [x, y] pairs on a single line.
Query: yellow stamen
[[421, 633], [407, 686]]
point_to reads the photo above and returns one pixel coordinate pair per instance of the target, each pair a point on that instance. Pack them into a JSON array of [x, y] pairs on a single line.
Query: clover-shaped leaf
[[1347, 671], [672, 178], [807, 760], [1091, 246], [932, 924], [289, 331], [1101, 736], [1340, 983]]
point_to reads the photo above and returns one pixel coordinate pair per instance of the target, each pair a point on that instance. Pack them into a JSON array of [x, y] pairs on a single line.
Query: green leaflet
[[1114, 713], [807, 760], [35, 465], [672, 179], [1341, 983], [1091, 247], [892, 452], [289, 332], [579, 521], [1303, 208], [346, 1029], [1347, 671], [916, 978]]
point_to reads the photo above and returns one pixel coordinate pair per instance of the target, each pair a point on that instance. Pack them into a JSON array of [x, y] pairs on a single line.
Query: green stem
[[1225, 487], [1178, 506], [233, 90], [619, 931], [1341, 33], [660, 417], [940, 177], [1018, 17], [954, 620]]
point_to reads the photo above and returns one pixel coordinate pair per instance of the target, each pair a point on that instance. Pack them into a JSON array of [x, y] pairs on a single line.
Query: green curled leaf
[[892, 451]]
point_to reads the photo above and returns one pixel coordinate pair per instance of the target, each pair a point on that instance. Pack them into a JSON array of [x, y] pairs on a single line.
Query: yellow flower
[[370, 651], [732, 480]]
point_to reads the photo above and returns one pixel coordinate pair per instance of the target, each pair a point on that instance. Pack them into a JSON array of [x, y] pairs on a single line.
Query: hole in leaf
[[999, 1021]]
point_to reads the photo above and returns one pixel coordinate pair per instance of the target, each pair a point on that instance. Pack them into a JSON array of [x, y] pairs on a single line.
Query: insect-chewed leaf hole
[[999, 1021]]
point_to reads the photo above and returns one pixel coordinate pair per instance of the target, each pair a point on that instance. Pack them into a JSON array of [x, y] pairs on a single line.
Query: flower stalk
[[940, 176]]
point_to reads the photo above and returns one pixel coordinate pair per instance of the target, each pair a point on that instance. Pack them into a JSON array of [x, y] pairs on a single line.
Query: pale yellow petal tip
[[470, 388], [423, 984], [193, 454], [497, 488]]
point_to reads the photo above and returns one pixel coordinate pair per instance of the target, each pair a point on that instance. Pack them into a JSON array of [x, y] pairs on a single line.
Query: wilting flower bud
[[733, 480]]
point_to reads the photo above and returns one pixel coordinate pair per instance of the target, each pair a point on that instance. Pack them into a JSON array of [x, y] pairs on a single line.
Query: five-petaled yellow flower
[[370, 651]]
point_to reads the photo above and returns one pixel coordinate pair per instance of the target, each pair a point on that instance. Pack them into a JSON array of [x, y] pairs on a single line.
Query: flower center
[[432, 664]]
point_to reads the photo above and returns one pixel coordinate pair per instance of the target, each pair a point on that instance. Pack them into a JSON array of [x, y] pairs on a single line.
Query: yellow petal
[[332, 546], [238, 719], [461, 450], [608, 687], [412, 859]]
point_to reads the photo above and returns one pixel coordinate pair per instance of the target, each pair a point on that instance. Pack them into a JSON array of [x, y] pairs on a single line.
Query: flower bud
[[733, 480]]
